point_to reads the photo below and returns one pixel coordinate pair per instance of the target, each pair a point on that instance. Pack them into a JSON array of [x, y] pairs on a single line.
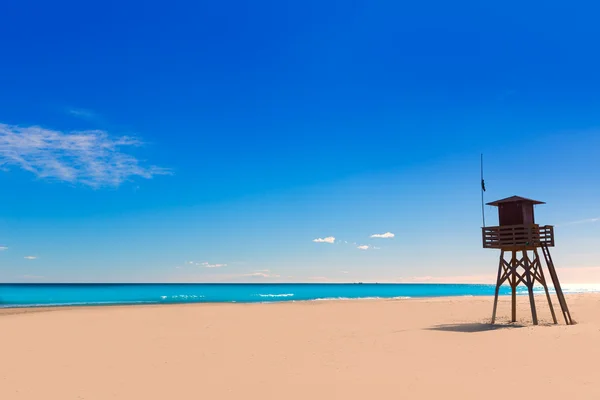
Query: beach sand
[[362, 349]]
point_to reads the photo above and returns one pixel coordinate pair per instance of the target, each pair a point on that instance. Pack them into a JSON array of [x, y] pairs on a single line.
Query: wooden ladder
[[556, 283]]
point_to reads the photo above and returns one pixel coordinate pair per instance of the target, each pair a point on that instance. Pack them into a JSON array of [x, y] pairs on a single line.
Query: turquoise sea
[[32, 295]]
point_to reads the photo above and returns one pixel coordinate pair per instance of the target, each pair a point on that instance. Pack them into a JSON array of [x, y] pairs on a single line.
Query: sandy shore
[[375, 349]]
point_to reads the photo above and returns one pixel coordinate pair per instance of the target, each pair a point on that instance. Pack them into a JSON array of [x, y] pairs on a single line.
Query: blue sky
[[215, 141]]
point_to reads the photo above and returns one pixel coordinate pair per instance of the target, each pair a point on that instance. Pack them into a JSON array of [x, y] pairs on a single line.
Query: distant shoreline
[[25, 309], [245, 283], [79, 295]]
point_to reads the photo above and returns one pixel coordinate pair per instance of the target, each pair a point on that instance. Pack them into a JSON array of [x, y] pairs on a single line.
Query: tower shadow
[[473, 327]]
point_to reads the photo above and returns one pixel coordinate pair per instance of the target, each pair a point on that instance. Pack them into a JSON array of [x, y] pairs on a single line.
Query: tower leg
[[513, 286], [532, 272], [530, 281], [514, 283], [557, 288], [539, 274], [498, 284]]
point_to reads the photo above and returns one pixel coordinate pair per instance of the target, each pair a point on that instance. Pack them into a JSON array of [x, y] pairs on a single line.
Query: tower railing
[[530, 236]]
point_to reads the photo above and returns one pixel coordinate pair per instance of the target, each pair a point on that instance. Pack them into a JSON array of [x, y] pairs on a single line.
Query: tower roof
[[514, 199]]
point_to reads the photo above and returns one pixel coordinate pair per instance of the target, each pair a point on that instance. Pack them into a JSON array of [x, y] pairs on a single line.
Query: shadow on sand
[[473, 327]]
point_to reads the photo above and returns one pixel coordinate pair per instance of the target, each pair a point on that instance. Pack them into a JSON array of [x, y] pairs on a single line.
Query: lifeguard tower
[[520, 237]]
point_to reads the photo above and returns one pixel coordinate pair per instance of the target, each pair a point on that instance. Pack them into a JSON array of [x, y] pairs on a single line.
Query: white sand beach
[[364, 349]]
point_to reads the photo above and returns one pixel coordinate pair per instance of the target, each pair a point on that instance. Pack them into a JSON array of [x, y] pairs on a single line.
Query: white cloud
[[30, 257], [344, 272], [90, 157], [363, 247], [207, 264], [386, 235], [329, 239], [3, 248], [214, 265]]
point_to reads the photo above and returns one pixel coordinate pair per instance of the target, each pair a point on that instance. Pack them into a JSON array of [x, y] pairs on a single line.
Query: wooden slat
[[517, 235]]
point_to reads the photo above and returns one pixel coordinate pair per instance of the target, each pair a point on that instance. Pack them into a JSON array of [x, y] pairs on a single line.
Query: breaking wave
[[182, 297]]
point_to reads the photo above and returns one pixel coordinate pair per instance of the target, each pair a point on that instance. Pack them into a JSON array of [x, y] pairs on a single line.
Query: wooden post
[[513, 285], [530, 281], [559, 293], [542, 279], [497, 286], [513, 270]]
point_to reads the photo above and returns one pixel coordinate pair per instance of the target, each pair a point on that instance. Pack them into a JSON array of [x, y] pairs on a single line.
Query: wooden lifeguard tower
[[520, 237]]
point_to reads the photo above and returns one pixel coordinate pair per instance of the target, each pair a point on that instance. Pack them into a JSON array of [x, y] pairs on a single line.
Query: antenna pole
[[482, 190]]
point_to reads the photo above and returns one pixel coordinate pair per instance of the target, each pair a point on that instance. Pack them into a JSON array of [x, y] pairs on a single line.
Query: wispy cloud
[[444, 279], [262, 275], [367, 247], [345, 272], [90, 157], [581, 221], [224, 277], [387, 235], [30, 257], [32, 277], [81, 113], [329, 239], [3, 248], [206, 264], [318, 278]]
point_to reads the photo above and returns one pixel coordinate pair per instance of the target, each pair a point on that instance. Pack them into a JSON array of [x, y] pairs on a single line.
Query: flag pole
[[482, 190]]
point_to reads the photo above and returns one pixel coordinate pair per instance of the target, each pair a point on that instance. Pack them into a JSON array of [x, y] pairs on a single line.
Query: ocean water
[[32, 295]]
